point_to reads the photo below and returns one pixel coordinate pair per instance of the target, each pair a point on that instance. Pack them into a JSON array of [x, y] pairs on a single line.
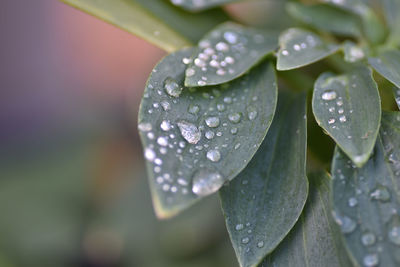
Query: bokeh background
[[73, 190]]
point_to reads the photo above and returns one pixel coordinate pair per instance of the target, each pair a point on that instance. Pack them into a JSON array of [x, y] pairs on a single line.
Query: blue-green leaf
[[326, 17], [366, 200], [315, 240], [299, 48], [348, 108], [226, 53], [258, 211], [388, 65], [195, 139], [156, 21]]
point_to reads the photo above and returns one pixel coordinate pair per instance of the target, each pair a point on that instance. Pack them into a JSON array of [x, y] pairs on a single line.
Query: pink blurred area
[[63, 71]]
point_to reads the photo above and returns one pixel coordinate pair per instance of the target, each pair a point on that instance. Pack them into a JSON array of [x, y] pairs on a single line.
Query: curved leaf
[[195, 5], [156, 21], [195, 139], [366, 201], [299, 48], [315, 241], [326, 17], [348, 108], [388, 65], [257, 209], [392, 14], [226, 53]]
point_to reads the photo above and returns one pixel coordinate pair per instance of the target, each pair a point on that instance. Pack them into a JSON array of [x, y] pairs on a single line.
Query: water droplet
[[222, 46], [209, 135], [229, 60], [228, 100], [172, 87], [347, 225], [165, 105], [220, 107], [214, 155], [245, 240], [380, 193], [165, 125], [331, 121], [251, 112], [190, 72], [206, 182], [231, 37], [193, 109], [212, 121], [368, 239], [339, 103], [352, 202], [144, 126], [201, 83], [260, 244], [189, 131], [234, 117], [285, 52], [371, 260], [234, 130], [158, 161], [162, 141], [239, 227], [149, 154], [394, 235], [342, 119], [237, 146], [329, 95]]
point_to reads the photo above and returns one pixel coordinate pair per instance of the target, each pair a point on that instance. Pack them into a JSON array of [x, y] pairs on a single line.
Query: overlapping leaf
[[388, 65], [195, 139], [299, 48], [315, 240], [263, 203], [366, 201], [392, 14], [226, 53], [156, 21], [348, 108], [195, 5], [326, 17]]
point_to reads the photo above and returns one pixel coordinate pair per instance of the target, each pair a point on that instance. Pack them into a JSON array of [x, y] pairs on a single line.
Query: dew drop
[[329, 95], [234, 117], [149, 154], [394, 235], [234, 130], [371, 260], [212, 122], [144, 127], [220, 107], [352, 202], [172, 87], [252, 112], [343, 118], [193, 109], [380, 193], [222, 46], [165, 105], [239, 227], [190, 72], [209, 135], [347, 225], [368, 239], [165, 125], [162, 141], [231, 37], [260, 244], [214, 155], [189, 132], [331, 121], [245, 240], [206, 182]]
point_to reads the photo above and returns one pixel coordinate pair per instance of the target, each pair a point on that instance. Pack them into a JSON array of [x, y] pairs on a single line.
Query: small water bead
[[214, 63], [239, 227], [331, 109], [162, 141], [158, 161], [220, 107], [201, 83], [368, 239], [228, 100], [331, 121], [245, 240], [234, 130], [371, 260], [352, 202], [234, 117], [380, 193], [394, 235], [209, 135], [150, 135], [252, 112], [229, 60], [166, 105], [165, 125], [339, 103], [174, 189], [206, 182], [172, 87], [189, 132], [212, 121], [186, 60], [190, 72], [149, 154], [220, 72], [342, 119], [260, 244], [231, 37], [347, 225], [329, 95], [285, 52], [193, 109], [214, 155], [144, 127], [340, 111], [222, 46], [166, 187], [296, 47]]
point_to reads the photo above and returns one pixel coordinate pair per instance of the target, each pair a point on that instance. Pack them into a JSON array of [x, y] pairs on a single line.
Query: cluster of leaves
[[212, 119]]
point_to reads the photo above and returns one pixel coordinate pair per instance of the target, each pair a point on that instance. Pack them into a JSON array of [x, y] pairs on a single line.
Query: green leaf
[[258, 210], [366, 201], [195, 5], [348, 108], [226, 53], [299, 48], [195, 139], [326, 18], [388, 65], [352, 52], [156, 21], [396, 93], [373, 29], [315, 240], [392, 14]]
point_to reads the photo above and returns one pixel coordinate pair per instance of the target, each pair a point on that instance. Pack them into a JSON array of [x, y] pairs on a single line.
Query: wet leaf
[[195, 5], [388, 65], [195, 139], [257, 209], [156, 21], [348, 108], [326, 17], [373, 28], [366, 201], [315, 240], [352, 52], [299, 48], [226, 53]]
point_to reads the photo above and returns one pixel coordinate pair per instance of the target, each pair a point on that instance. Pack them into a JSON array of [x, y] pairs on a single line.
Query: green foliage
[[206, 113]]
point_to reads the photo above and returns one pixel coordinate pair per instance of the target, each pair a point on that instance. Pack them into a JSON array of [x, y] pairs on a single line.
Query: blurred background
[[73, 190]]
